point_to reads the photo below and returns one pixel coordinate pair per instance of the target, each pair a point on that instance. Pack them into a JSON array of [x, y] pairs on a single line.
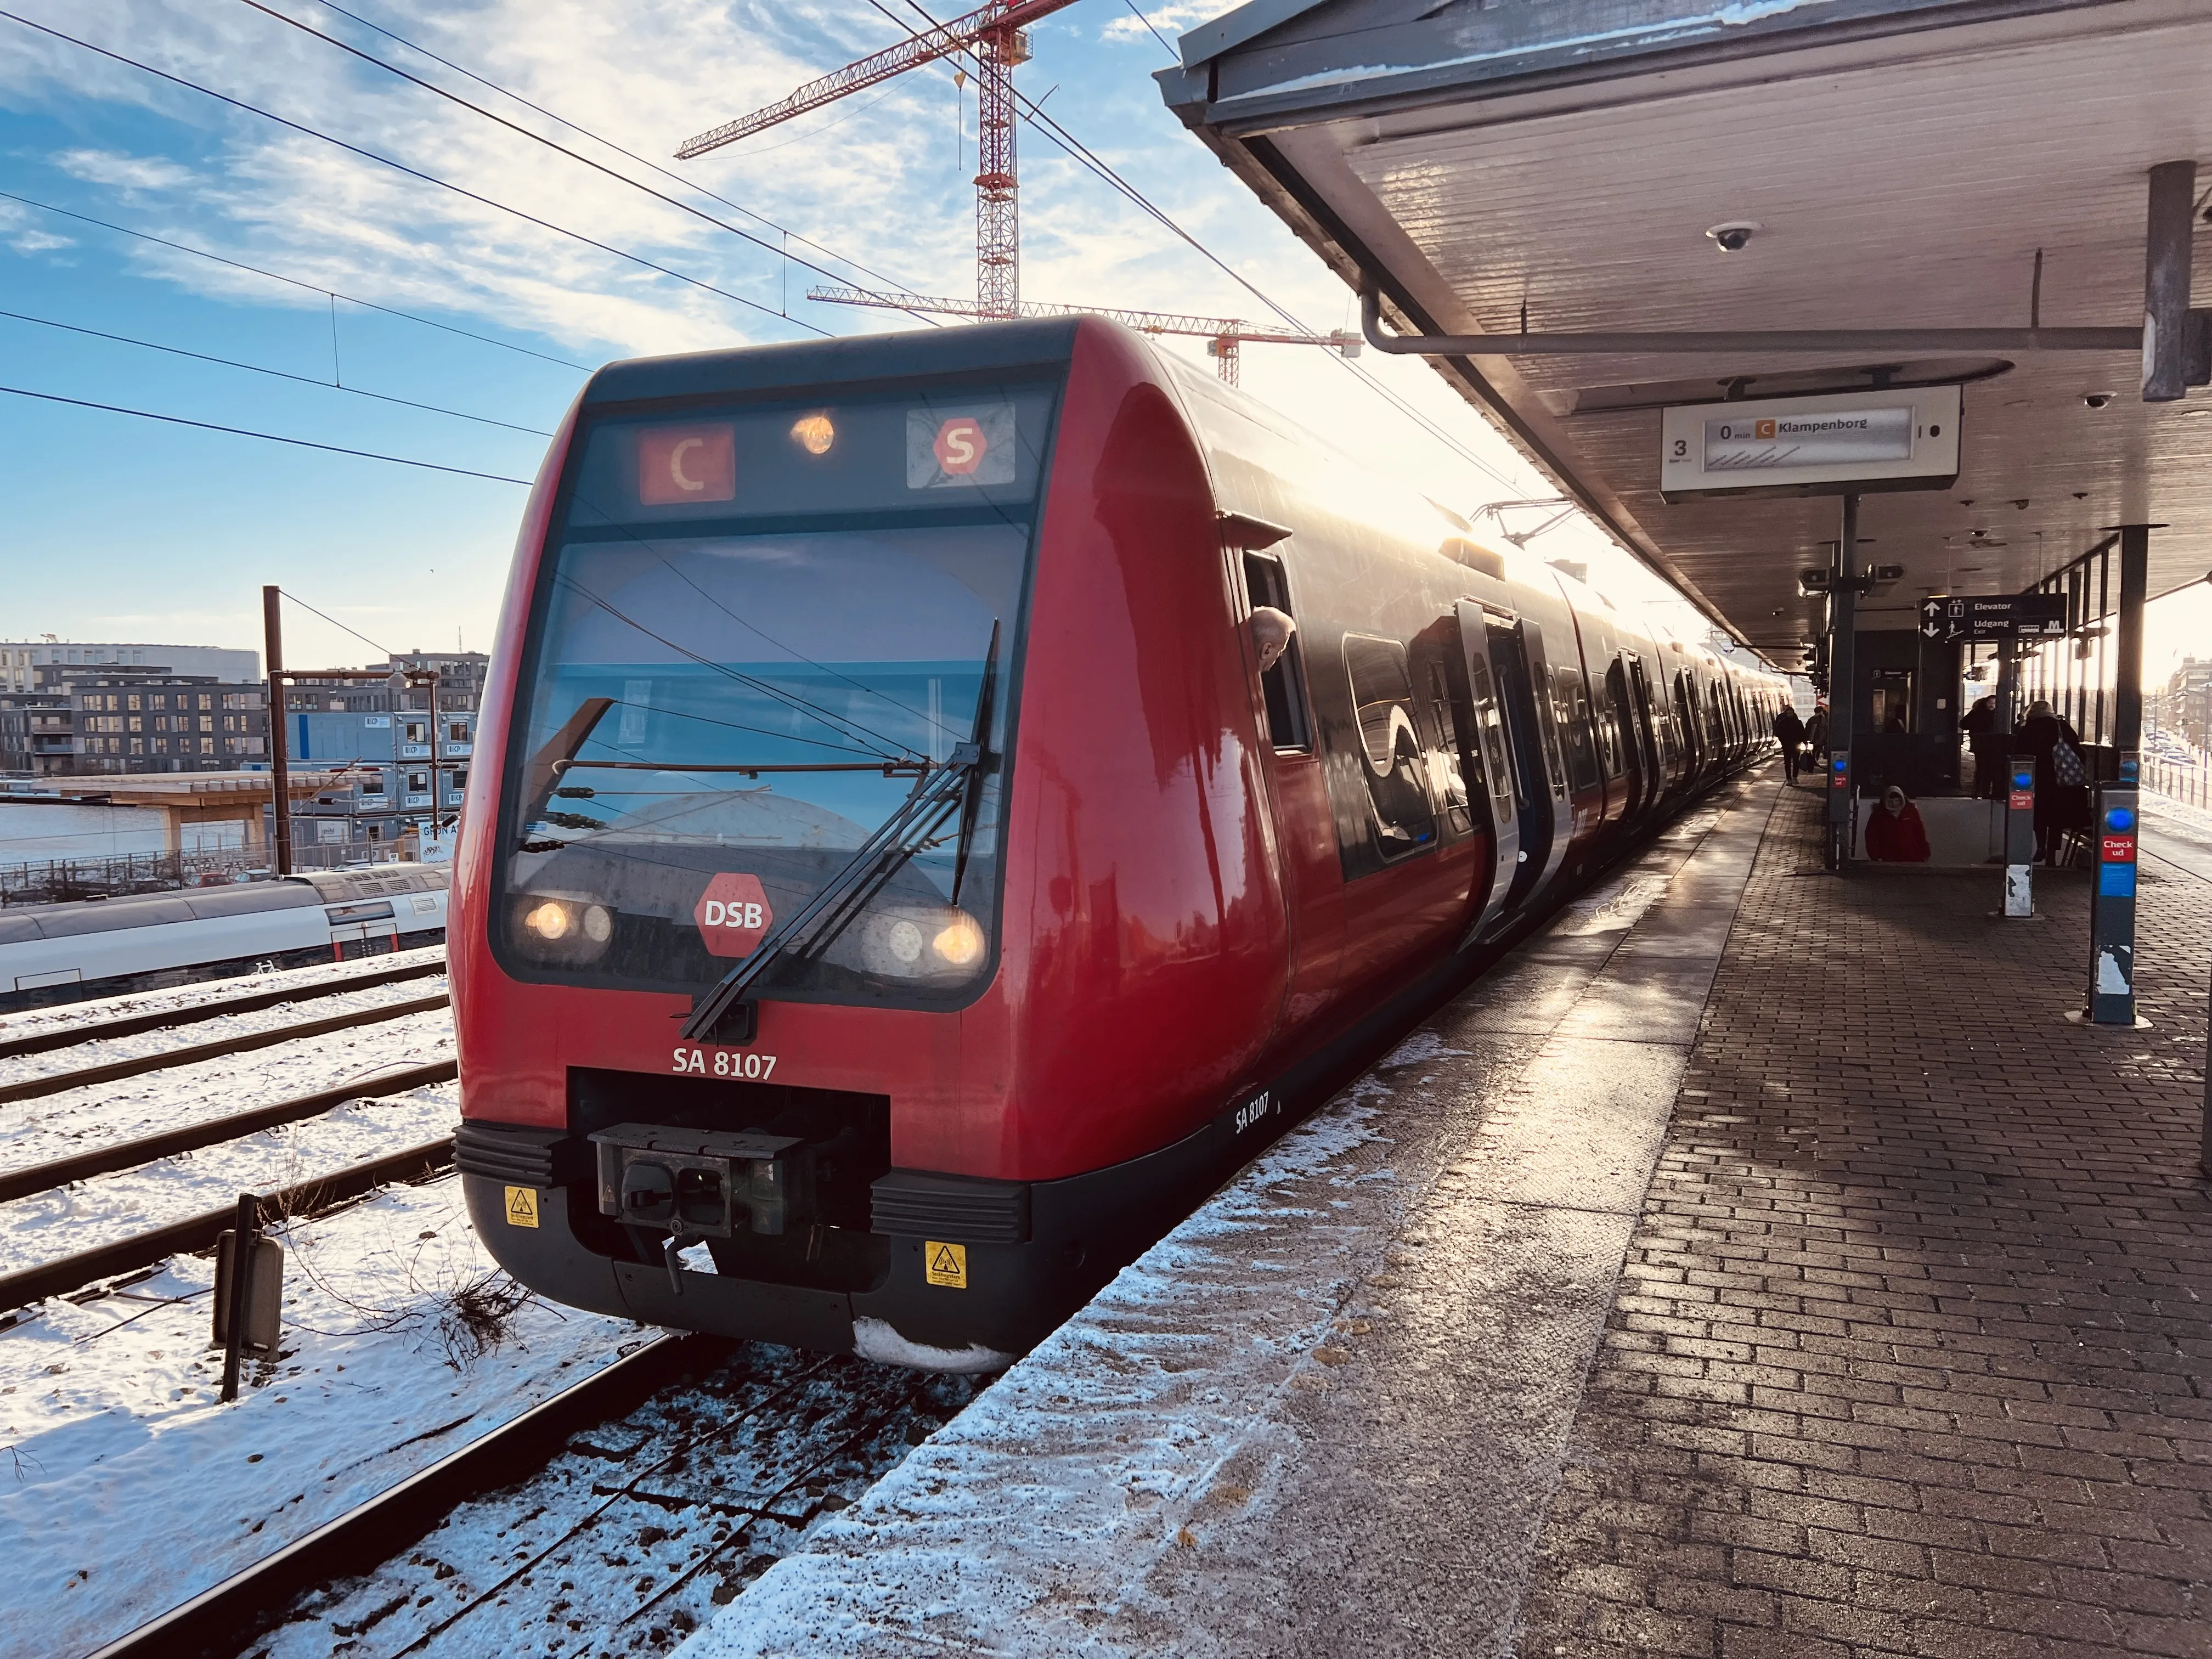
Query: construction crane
[[1223, 336], [994, 33]]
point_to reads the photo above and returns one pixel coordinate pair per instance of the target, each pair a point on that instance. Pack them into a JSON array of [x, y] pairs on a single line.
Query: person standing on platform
[[1790, 732], [2062, 792], [1980, 726], [1894, 833], [1816, 737]]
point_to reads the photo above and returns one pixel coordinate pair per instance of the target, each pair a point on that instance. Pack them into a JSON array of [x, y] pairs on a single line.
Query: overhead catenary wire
[[256, 369], [1083, 155], [413, 172], [390, 656], [629, 155], [558, 148], [295, 282], [267, 437]]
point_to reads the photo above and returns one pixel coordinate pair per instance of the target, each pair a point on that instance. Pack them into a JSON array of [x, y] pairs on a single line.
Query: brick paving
[[1913, 1349]]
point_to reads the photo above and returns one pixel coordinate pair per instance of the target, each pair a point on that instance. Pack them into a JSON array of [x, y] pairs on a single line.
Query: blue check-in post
[[2112, 904], [2020, 839]]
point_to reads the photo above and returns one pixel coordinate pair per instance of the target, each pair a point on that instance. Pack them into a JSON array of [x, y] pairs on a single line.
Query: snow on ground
[[109, 1208], [68, 1016], [1113, 1426], [21, 1068], [125, 1488], [99, 1114]]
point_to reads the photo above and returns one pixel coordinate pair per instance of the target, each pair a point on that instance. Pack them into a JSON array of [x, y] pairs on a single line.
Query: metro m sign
[[734, 916]]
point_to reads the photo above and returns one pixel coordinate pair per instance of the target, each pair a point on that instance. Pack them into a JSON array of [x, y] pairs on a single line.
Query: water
[[31, 835]]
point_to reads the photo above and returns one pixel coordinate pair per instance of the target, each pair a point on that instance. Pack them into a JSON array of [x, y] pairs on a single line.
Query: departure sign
[[1769, 443], [687, 463], [949, 447], [734, 914], [1906, 438]]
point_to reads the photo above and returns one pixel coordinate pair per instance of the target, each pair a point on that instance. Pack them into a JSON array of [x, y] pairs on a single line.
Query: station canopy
[[1554, 167]]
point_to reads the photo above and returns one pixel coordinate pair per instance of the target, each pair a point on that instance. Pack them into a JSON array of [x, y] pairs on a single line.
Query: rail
[[53, 1083], [68, 1037], [130, 1154], [199, 1232]]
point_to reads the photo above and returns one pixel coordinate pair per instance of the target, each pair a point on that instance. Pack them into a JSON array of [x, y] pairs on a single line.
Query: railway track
[[53, 1083], [234, 1126], [635, 1501], [68, 1036], [303, 1199]]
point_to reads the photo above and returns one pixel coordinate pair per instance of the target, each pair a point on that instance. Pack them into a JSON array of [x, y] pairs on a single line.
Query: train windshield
[[757, 633]]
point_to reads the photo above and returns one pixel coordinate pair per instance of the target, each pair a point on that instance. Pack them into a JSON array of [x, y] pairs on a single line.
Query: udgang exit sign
[[1845, 441]]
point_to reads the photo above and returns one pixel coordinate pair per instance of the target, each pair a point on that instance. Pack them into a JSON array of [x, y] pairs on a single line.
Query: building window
[[137, 725], [207, 745], [137, 746], [207, 700], [132, 703]]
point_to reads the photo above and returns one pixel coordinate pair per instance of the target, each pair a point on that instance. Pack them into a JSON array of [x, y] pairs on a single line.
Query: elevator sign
[[1905, 438]]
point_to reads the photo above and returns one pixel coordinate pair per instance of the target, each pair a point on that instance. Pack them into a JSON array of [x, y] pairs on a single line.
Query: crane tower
[[992, 33]]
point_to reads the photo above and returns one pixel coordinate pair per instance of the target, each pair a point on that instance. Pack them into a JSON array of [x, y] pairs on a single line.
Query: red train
[[960, 794]]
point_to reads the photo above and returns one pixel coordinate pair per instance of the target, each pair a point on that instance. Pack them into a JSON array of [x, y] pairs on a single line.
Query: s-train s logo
[[961, 445], [734, 916], [687, 463]]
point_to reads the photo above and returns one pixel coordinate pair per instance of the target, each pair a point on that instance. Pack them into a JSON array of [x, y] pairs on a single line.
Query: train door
[[1551, 723], [1488, 733], [1695, 755], [1517, 653], [1620, 710], [1655, 777]]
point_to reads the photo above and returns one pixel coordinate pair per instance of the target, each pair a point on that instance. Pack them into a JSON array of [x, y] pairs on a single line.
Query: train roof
[[990, 348], [31, 922]]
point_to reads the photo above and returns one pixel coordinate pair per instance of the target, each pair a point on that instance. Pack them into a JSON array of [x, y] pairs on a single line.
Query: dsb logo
[[734, 916]]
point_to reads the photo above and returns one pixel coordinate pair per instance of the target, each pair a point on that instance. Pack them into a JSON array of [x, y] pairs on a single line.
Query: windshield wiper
[[946, 785]]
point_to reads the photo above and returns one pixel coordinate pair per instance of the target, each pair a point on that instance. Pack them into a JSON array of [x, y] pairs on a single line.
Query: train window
[[1570, 698], [1447, 771], [1404, 821], [1283, 684]]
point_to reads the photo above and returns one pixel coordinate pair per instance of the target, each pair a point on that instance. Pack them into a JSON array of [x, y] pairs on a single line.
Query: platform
[[1757, 1263]]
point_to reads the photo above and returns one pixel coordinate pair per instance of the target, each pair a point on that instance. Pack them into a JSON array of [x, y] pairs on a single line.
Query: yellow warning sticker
[[521, 1207], [943, 1264]]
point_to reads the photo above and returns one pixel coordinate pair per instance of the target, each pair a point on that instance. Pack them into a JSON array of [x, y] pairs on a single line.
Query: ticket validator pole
[[1843, 672], [2019, 788], [2117, 820]]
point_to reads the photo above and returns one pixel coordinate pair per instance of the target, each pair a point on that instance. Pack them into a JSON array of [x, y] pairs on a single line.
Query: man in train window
[[1270, 634]]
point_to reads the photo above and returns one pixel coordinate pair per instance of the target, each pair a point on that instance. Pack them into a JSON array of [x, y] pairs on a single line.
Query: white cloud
[[122, 172], [1169, 20], [18, 231]]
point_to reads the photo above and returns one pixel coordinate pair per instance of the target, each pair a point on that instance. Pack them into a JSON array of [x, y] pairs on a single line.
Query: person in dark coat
[[1982, 742], [1790, 732], [2058, 807], [1894, 833], [1816, 737]]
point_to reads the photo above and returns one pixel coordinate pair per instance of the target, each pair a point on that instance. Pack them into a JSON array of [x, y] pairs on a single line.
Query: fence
[[54, 881], [2189, 785]]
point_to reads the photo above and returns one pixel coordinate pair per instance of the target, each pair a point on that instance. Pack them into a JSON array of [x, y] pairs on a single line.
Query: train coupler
[[701, 1183]]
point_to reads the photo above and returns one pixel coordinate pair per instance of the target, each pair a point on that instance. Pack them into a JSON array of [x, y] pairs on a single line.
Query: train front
[[760, 673]]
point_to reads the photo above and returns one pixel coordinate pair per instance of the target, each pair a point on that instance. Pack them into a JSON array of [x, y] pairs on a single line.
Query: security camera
[[1735, 235], [2097, 399]]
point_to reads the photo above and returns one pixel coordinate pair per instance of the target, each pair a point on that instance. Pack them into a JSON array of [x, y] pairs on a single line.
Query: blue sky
[[125, 528]]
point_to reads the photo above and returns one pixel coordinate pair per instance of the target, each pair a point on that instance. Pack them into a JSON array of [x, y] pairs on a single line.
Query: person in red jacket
[[1894, 833]]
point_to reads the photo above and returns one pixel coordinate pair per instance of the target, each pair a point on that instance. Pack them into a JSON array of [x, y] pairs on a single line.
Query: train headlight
[[904, 940], [550, 920], [961, 943], [915, 942], [814, 434], [563, 929]]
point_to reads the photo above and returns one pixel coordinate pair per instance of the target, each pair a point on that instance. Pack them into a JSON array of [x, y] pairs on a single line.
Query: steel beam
[[1743, 339]]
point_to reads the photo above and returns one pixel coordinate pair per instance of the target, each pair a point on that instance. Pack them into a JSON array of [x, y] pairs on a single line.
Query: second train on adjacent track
[[957, 795]]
